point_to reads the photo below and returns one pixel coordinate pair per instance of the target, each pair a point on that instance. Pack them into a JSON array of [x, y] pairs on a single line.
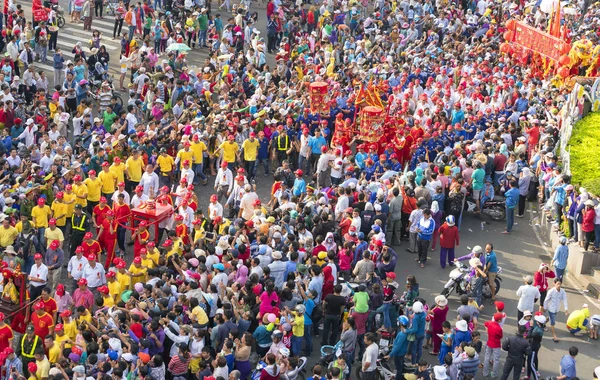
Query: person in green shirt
[[361, 299], [147, 25], [478, 177], [108, 118], [203, 28]]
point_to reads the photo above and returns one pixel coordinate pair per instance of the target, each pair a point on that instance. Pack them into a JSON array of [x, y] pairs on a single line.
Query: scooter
[[494, 209], [460, 280]]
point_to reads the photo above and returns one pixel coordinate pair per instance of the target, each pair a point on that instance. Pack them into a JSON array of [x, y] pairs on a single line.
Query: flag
[[555, 21]]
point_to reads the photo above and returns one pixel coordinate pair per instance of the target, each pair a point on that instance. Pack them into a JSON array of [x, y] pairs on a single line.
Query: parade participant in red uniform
[[181, 230], [140, 237], [165, 197], [90, 246], [107, 237], [50, 305], [99, 213], [6, 334], [43, 324]]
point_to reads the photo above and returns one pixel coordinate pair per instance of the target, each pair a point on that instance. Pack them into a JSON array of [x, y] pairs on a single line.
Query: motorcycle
[[95, 86], [493, 208], [60, 15], [460, 282]]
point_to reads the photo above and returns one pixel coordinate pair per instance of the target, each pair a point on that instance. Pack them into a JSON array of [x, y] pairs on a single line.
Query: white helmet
[[285, 352], [417, 307], [301, 309]]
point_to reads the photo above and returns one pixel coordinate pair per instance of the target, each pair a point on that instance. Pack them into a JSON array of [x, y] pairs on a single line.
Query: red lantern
[[509, 35], [564, 60], [505, 48], [565, 48], [511, 24], [563, 72]]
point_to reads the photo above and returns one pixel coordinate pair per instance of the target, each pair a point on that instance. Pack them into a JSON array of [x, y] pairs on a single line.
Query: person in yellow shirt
[[165, 164], [123, 277], [185, 154], [80, 190], [84, 315], [53, 348], [172, 245], [199, 147], [118, 168], [42, 363], [60, 210], [250, 149], [69, 324], [152, 253], [8, 233], [106, 297], [114, 287], [61, 336], [146, 261], [134, 169], [40, 215], [94, 187], [198, 314], [137, 271], [230, 150], [109, 182]]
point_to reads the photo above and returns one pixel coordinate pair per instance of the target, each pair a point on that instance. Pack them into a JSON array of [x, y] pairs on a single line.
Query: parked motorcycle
[[496, 209], [60, 15], [460, 281]]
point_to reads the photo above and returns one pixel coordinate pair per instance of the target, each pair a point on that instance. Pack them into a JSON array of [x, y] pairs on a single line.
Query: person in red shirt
[[493, 346], [181, 230], [449, 239], [90, 246], [50, 305], [140, 237], [6, 334], [43, 324], [99, 214], [122, 214], [107, 237]]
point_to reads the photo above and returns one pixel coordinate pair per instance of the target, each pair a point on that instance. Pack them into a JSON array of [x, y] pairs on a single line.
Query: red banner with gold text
[[536, 40]]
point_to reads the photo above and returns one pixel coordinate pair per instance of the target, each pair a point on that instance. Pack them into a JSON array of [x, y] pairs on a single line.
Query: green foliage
[[584, 148]]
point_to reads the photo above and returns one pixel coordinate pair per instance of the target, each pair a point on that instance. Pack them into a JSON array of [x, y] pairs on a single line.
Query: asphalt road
[[518, 254]]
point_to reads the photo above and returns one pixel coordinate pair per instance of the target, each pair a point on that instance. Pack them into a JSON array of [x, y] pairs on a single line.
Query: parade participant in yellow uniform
[[118, 167], [250, 148], [109, 181], [199, 147], [106, 297], [81, 191], [198, 233], [60, 211], [123, 277], [146, 261], [69, 200], [114, 288], [137, 271], [61, 335], [69, 324], [40, 216], [230, 150], [152, 252], [184, 154], [165, 163], [94, 187], [134, 169]]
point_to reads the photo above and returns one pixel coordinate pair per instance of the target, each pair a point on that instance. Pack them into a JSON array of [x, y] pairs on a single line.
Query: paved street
[[518, 254]]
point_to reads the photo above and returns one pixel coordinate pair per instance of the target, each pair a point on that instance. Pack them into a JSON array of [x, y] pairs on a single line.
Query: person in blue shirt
[[395, 165], [568, 365], [400, 346], [458, 115], [561, 254], [299, 189], [512, 199], [360, 157], [417, 328], [425, 230], [491, 267], [309, 305], [263, 152]]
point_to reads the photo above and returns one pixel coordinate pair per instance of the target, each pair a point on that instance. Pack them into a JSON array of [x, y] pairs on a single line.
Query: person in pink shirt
[[82, 295]]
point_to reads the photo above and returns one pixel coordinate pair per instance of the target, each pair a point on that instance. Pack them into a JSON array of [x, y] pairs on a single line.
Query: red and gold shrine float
[[372, 120], [319, 98]]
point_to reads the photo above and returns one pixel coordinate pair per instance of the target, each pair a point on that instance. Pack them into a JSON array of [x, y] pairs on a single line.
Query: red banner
[[536, 40]]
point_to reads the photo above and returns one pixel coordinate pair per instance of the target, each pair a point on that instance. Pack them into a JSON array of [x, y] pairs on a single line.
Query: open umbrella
[[178, 47]]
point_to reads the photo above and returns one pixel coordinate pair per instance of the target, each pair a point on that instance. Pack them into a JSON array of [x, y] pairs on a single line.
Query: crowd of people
[[215, 292]]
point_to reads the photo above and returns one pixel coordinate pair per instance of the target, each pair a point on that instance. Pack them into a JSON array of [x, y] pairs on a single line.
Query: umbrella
[[178, 47], [389, 174]]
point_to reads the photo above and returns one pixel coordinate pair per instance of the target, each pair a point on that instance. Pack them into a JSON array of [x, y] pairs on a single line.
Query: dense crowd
[[213, 293]]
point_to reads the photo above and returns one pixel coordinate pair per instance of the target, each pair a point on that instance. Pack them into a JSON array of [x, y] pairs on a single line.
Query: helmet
[[403, 320], [83, 82], [450, 220], [300, 309], [287, 327], [285, 352], [418, 307], [277, 334]]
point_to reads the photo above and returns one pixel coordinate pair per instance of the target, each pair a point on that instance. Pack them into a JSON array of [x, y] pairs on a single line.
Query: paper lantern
[[372, 121], [564, 48], [511, 24], [509, 35], [319, 98], [563, 72], [564, 60], [505, 48]]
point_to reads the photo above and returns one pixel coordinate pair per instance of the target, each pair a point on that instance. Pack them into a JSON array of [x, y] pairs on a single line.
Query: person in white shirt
[[527, 295], [29, 133], [187, 213], [38, 276], [121, 190], [46, 161], [75, 267], [150, 182], [187, 172], [94, 273], [131, 119], [215, 209], [138, 197], [247, 203], [224, 181], [554, 298]]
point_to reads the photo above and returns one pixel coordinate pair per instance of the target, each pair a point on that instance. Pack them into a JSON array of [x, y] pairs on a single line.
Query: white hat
[[441, 300], [462, 325], [29, 121], [527, 313], [440, 372], [276, 255], [477, 249], [417, 307], [540, 319]]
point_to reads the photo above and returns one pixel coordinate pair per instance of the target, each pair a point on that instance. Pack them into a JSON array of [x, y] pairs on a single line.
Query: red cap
[[116, 159], [60, 195], [499, 305], [498, 317], [92, 172], [252, 134], [38, 305], [143, 223], [121, 184], [299, 172], [141, 188], [167, 243], [256, 202], [143, 251], [324, 148], [110, 213], [41, 201], [66, 313], [91, 257], [213, 198], [88, 235], [69, 187], [179, 217], [82, 281], [52, 221], [79, 249], [32, 367], [224, 164], [38, 256], [150, 244], [77, 178], [231, 137], [186, 162], [250, 224], [59, 326], [187, 143], [391, 275], [137, 260], [105, 164], [103, 199], [54, 245], [195, 138], [110, 274], [103, 289]]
